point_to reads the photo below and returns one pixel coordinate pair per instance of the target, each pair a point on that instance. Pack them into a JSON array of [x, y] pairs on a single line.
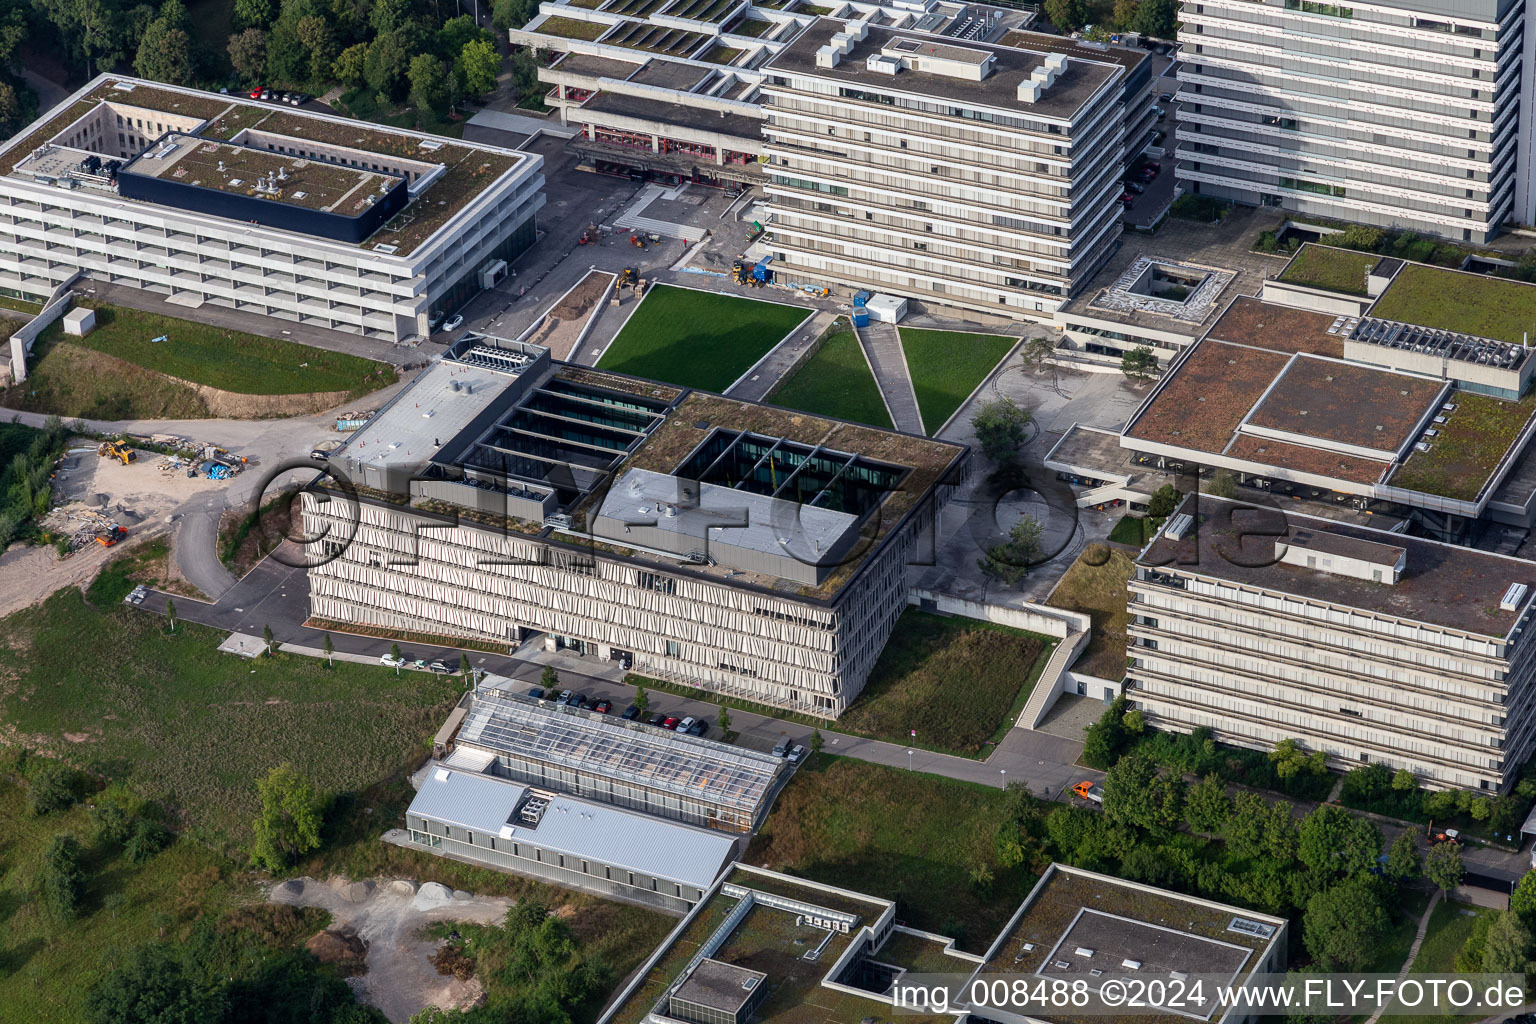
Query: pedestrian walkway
[[523, 124], [782, 359], [1413, 950], [882, 347]]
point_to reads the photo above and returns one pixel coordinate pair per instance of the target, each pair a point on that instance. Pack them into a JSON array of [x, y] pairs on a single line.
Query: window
[[660, 584], [1327, 10], [674, 650]]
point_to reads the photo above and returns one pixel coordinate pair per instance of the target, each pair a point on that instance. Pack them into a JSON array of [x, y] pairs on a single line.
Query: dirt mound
[[340, 947]]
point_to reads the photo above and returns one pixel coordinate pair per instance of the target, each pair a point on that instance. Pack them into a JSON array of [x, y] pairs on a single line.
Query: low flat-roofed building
[[825, 954], [471, 815], [1094, 928], [503, 497], [1261, 624], [717, 993], [602, 758], [224, 200]]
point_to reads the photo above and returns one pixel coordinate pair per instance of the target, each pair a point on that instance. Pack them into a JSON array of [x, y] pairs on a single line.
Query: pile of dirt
[[341, 948]]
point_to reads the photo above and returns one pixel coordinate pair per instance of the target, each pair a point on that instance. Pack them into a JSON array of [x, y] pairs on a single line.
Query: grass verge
[[901, 835], [946, 366], [698, 339], [1100, 591], [836, 381], [958, 682], [234, 361]]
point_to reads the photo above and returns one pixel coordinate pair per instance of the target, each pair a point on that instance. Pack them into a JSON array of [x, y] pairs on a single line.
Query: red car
[[670, 723], [602, 707], [256, 93]]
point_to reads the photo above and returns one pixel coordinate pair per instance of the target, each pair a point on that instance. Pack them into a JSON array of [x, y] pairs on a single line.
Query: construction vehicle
[[111, 535], [1089, 790], [117, 450], [1444, 835], [628, 276]]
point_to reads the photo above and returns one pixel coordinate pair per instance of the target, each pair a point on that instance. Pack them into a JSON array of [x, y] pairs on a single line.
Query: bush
[[61, 882], [147, 839], [51, 788]]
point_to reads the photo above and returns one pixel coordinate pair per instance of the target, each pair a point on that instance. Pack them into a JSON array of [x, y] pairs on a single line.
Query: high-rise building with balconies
[[1404, 114]]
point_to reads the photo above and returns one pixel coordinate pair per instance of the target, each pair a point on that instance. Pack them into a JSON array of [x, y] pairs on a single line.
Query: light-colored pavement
[[523, 124], [882, 347], [781, 360]]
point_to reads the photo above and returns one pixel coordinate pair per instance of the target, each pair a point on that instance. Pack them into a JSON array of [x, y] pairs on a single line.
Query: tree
[[507, 14], [1106, 736], [1124, 18], [290, 820], [1507, 949], [479, 64], [1342, 926], [329, 648], [60, 882], [428, 79], [1335, 843], [385, 65], [165, 54], [1404, 781], [1011, 560], [170, 613], [1157, 18], [1164, 500], [724, 719], [815, 741], [1403, 861], [1135, 793], [549, 679], [1138, 364], [1037, 349], [1291, 759], [1222, 484], [267, 639], [145, 840], [348, 66], [1207, 805], [253, 13], [1247, 824], [455, 33], [314, 34], [153, 986], [51, 788], [1368, 783], [642, 699], [1067, 15], [1443, 865], [1000, 427], [1523, 899]]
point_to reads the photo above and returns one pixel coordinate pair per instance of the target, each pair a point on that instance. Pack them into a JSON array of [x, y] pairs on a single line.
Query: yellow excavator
[[117, 450]]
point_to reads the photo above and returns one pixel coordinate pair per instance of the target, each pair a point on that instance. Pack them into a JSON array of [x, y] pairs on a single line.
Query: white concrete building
[[1401, 114], [1262, 624], [216, 199], [971, 175], [724, 544]]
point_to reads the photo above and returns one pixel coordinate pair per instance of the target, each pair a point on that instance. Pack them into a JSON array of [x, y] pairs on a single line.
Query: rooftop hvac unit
[[1131, 965], [1513, 597], [1083, 951], [1179, 525], [1421, 447]]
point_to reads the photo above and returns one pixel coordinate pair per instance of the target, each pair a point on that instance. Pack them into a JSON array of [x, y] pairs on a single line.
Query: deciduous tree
[[290, 820], [1000, 427], [479, 64], [1342, 926], [1443, 866], [1140, 363], [1010, 561]]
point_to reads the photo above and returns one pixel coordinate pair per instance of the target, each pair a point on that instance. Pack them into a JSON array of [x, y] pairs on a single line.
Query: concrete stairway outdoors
[[882, 347]]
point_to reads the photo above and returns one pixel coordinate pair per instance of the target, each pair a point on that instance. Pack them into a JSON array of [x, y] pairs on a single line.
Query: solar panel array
[[695, 768], [1463, 348]]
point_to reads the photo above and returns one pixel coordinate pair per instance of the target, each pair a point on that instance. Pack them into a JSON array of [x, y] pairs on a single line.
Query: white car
[[686, 724], [454, 322], [391, 661], [796, 754]]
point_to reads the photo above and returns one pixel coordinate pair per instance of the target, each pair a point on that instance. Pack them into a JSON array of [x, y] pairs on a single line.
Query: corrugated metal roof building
[[557, 838]]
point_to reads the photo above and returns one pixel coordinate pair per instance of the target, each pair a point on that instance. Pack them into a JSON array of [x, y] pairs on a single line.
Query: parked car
[[298, 99], [1166, 97], [670, 722], [656, 720], [454, 322], [1136, 187], [564, 698], [630, 713], [441, 667], [781, 748], [323, 450], [266, 94], [435, 320], [1127, 199], [698, 728], [602, 707], [796, 754], [687, 724], [537, 693], [391, 660], [256, 93], [579, 701]]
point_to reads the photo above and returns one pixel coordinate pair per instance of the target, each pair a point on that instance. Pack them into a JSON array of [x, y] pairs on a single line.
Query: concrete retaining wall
[[1037, 618]]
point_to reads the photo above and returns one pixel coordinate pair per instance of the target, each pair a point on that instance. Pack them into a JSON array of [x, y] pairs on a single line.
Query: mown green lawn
[[902, 835], [946, 366], [698, 339], [958, 682], [228, 360], [836, 381], [1450, 926]]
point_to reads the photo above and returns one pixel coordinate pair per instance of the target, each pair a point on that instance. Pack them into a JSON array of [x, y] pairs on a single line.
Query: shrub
[[61, 882], [51, 788]]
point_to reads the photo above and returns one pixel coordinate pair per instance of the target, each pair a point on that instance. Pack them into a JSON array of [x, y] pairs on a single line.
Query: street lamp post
[[1003, 773], [909, 760]]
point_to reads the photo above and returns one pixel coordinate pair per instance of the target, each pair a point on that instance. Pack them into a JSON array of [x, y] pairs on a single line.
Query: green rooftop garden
[[750, 27], [1337, 270], [570, 28], [721, 54], [1471, 442], [1487, 307], [836, 381]]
